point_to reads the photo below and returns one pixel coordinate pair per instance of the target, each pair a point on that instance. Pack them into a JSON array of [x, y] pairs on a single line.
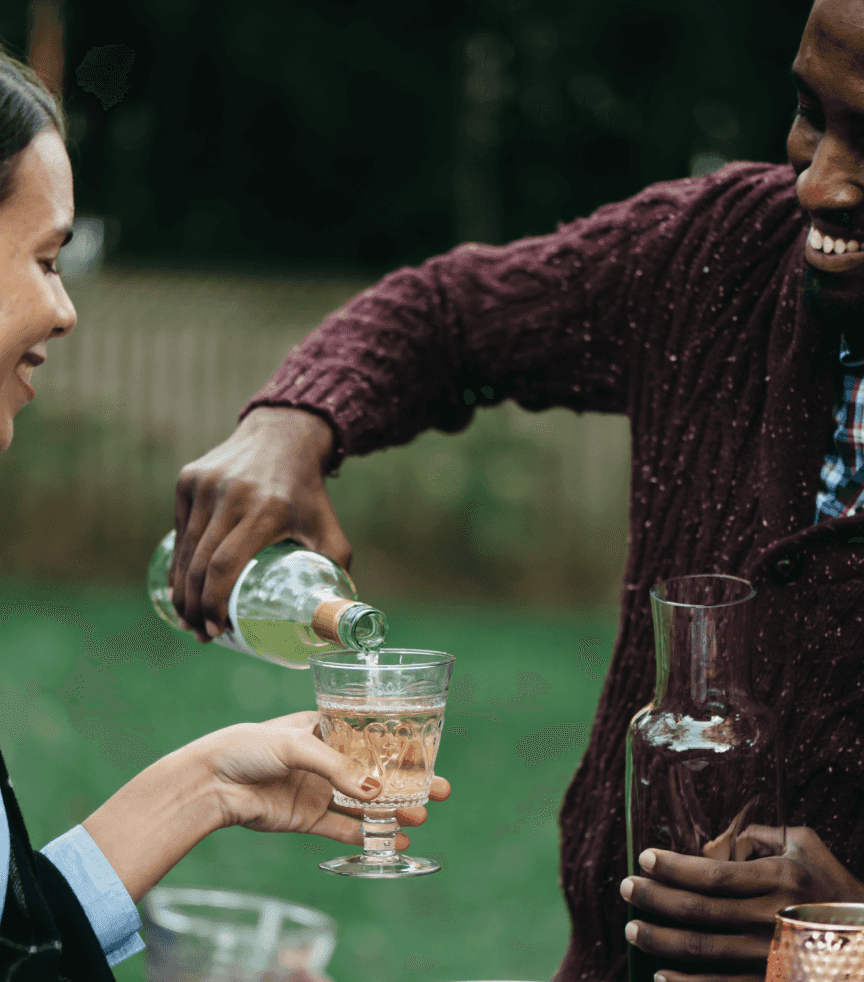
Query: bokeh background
[[241, 170]]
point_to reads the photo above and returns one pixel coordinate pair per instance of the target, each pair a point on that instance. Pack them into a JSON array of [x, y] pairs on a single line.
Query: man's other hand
[[738, 898]]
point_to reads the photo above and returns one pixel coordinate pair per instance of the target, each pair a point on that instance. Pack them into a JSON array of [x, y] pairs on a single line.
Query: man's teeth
[[25, 372], [824, 243]]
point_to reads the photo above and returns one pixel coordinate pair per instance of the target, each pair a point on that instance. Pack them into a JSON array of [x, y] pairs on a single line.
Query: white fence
[[171, 358]]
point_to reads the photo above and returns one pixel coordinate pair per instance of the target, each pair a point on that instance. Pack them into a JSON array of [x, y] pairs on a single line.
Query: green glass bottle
[[287, 604]]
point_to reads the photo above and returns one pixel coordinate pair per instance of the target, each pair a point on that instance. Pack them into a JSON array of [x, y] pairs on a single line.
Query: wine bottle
[[287, 603]]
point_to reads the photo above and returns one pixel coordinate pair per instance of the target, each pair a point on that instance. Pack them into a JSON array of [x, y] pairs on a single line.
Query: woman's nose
[[834, 181], [66, 315]]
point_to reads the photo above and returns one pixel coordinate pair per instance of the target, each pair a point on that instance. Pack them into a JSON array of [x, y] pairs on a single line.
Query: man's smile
[[833, 253]]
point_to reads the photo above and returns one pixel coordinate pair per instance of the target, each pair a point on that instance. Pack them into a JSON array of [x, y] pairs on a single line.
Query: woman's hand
[[736, 897], [278, 776], [265, 483], [275, 777]]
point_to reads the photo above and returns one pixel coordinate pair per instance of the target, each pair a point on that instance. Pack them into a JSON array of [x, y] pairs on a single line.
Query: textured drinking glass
[[818, 943], [386, 717], [704, 758], [219, 936]]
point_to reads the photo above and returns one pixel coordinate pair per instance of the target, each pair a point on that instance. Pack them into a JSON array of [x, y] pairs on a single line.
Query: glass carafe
[[195, 935], [704, 759]]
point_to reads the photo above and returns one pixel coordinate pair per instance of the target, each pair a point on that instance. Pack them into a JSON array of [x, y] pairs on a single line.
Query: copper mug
[[818, 943]]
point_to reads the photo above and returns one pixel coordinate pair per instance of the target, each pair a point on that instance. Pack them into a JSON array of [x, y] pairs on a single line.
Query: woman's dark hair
[[26, 108]]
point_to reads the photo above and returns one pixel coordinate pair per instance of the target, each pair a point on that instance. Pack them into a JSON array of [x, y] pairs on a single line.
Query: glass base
[[387, 870]]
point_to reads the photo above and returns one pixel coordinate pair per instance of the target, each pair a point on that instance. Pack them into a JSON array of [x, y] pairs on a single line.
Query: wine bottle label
[[233, 636]]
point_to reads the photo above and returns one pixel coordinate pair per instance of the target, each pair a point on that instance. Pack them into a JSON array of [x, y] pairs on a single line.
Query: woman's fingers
[[304, 749], [439, 789], [342, 828], [290, 743]]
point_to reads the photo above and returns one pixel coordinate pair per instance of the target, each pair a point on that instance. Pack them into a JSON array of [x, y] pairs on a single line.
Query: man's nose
[[834, 181]]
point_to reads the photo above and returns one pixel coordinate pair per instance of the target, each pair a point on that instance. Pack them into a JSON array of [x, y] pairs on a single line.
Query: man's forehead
[[837, 27]]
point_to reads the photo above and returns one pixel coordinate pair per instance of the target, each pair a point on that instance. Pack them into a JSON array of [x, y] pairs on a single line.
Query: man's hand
[[265, 483], [739, 898]]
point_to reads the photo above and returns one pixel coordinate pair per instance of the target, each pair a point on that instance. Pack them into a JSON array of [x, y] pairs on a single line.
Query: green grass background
[[94, 687]]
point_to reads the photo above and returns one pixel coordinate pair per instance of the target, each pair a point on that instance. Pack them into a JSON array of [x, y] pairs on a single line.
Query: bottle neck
[[702, 655], [349, 624]]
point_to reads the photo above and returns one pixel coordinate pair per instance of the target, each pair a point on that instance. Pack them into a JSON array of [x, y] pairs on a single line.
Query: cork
[[326, 618]]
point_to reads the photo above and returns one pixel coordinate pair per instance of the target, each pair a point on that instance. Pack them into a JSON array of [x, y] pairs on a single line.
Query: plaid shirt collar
[[842, 476]]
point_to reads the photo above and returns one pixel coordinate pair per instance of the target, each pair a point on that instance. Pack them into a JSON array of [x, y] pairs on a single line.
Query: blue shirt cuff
[[100, 892]]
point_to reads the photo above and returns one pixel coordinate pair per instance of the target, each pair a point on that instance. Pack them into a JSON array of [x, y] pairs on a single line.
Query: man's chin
[[834, 301]]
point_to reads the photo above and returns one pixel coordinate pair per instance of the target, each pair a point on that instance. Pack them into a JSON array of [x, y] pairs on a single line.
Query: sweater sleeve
[[545, 321]]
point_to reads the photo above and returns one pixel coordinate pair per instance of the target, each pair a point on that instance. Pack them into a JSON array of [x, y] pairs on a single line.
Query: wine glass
[[385, 711]]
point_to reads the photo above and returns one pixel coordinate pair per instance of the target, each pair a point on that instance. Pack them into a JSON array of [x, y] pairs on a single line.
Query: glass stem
[[380, 829]]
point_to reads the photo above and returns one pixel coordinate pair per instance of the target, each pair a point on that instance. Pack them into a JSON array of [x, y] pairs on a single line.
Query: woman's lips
[[24, 373], [847, 262]]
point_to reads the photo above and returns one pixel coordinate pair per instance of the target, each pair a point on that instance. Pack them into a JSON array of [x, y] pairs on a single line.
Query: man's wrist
[[304, 429]]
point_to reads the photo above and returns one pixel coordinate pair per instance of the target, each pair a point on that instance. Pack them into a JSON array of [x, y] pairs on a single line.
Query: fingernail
[[630, 932], [647, 860], [658, 977], [212, 630], [170, 592], [184, 624], [370, 784], [627, 888]]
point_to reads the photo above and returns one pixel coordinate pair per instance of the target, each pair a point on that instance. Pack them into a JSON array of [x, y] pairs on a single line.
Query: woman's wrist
[[152, 822]]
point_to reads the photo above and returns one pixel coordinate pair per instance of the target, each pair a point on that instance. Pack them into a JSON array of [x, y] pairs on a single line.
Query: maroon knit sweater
[[681, 308]]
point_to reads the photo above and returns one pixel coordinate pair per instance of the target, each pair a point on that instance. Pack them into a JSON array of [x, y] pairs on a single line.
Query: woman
[[68, 912]]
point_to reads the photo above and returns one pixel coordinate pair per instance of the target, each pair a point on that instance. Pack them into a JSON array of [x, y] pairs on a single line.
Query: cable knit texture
[[680, 307]]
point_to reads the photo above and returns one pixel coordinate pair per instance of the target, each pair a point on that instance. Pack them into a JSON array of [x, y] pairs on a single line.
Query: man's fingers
[[693, 908], [331, 540], [182, 507], [766, 839], [184, 550], [229, 546], [716, 878], [688, 945]]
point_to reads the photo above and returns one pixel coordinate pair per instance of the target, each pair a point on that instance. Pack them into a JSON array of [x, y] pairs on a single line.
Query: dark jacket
[[45, 935]]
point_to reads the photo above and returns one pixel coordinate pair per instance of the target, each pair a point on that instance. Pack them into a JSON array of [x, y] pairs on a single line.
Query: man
[[715, 312]]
